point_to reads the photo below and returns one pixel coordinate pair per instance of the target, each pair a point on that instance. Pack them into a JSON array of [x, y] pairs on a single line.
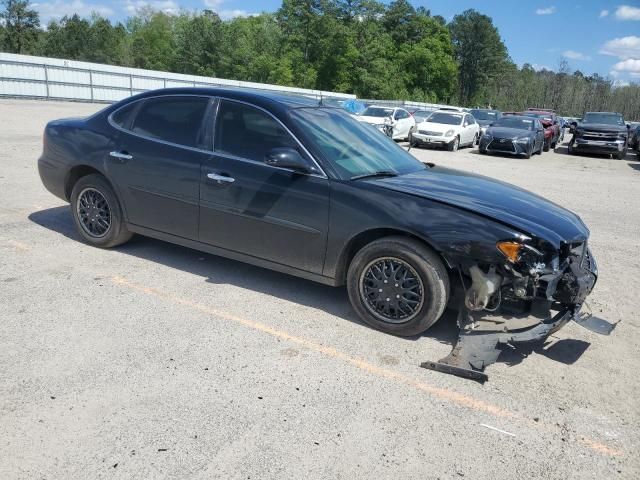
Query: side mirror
[[286, 157]]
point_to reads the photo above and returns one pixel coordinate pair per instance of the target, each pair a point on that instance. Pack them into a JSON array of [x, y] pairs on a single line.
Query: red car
[[550, 123]]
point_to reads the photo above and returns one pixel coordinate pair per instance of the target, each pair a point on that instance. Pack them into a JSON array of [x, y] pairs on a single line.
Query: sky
[[594, 36]]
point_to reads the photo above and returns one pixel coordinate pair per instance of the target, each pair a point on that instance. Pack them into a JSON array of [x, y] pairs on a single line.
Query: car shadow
[[220, 271], [566, 351], [635, 166]]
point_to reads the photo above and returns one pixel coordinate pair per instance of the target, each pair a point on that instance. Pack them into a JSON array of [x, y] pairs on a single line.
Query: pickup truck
[[600, 132]]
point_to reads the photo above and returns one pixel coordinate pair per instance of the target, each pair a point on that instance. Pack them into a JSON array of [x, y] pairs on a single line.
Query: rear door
[[256, 209], [156, 166]]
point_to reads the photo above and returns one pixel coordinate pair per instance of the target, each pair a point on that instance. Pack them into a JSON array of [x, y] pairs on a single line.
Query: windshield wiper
[[379, 173]]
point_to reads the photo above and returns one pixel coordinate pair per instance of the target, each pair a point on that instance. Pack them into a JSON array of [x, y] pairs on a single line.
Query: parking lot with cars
[[153, 360]]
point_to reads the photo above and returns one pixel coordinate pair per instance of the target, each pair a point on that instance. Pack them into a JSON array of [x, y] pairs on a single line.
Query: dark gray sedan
[[514, 135]]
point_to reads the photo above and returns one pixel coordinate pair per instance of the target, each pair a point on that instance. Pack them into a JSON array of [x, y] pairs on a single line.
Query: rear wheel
[[453, 145], [398, 285], [97, 213], [547, 145]]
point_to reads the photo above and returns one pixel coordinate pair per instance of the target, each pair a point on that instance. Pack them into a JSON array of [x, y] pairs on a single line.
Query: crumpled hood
[[506, 203], [374, 120], [504, 132]]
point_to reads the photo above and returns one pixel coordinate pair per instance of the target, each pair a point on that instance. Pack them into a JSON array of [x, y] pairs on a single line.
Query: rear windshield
[[445, 118], [377, 112], [606, 118], [485, 115], [513, 122]]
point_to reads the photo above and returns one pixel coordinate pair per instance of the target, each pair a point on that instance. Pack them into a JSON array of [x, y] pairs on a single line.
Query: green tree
[[480, 53], [198, 43], [21, 26], [151, 40]]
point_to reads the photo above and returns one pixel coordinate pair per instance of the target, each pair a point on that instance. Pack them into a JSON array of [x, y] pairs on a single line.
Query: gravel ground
[[156, 361]]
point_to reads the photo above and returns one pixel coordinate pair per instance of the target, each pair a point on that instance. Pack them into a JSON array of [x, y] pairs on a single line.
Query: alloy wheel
[[391, 290], [93, 212]]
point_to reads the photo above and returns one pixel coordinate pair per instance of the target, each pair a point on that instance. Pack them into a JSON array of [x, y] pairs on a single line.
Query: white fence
[[52, 78]]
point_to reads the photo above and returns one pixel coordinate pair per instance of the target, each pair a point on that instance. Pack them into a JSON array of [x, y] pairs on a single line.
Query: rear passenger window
[[173, 119], [248, 132]]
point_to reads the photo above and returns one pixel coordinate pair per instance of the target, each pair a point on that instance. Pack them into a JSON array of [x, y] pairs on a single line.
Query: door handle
[[121, 155], [220, 179]]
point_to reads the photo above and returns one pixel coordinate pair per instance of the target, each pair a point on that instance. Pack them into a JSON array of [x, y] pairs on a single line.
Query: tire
[[482, 151], [476, 140], [453, 146], [412, 142], [539, 152], [547, 144], [108, 212], [431, 279], [570, 149], [621, 155]]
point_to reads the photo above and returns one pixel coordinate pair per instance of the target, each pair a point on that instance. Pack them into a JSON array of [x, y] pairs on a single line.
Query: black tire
[[621, 155], [116, 233], [413, 143], [454, 145], [482, 151], [547, 145], [421, 262]]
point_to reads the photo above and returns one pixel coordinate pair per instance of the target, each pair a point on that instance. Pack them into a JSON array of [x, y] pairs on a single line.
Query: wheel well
[[365, 238], [75, 174]]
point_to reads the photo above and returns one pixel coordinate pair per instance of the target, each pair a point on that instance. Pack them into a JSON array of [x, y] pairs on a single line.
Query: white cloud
[[169, 7], [546, 11], [629, 65], [538, 68], [626, 12], [59, 8], [620, 83], [623, 48], [604, 13], [226, 13], [573, 55]]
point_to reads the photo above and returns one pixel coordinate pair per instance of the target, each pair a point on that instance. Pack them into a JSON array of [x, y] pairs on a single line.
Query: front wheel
[[453, 145], [620, 155], [97, 213], [398, 285], [547, 145]]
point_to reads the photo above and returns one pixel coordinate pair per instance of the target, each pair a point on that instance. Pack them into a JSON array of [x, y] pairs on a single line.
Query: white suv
[[447, 128]]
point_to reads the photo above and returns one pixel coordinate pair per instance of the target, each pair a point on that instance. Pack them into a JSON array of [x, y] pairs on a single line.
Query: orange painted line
[[439, 392]]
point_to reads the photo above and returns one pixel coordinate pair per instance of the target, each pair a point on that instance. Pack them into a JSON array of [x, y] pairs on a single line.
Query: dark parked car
[[284, 183], [600, 132], [485, 117], [634, 143], [514, 135]]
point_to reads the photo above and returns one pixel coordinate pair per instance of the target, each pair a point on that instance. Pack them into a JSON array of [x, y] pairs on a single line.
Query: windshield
[[515, 122], [606, 118], [351, 147], [541, 116], [489, 115], [377, 112], [445, 118]]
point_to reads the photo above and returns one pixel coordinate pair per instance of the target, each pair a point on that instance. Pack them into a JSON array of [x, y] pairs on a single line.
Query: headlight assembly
[[522, 140], [449, 133]]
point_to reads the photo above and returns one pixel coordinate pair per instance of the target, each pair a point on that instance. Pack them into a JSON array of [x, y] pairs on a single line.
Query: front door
[[156, 165], [256, 209]]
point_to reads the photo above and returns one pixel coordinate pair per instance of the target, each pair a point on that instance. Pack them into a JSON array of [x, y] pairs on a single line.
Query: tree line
[[377, 51]]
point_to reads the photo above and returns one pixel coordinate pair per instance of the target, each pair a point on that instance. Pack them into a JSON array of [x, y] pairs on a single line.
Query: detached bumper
[[483, 334]]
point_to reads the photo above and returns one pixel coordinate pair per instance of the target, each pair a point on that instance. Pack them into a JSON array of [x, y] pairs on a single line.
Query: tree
[[480, 52], [21, 26], [151, 40], [198, 44]]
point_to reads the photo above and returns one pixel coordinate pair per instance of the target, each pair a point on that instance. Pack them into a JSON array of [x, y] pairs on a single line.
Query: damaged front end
[[535, 292]]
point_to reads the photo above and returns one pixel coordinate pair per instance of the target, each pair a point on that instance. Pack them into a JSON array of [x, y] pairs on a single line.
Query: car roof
[[520, 117]]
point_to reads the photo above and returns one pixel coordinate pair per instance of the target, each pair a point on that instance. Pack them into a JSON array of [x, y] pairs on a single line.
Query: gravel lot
[[156, 361]]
